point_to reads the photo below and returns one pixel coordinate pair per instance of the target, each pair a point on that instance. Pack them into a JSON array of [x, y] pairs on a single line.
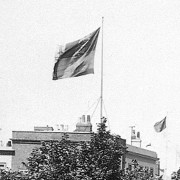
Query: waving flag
[[76, 58], [160, 126], [148, 145]]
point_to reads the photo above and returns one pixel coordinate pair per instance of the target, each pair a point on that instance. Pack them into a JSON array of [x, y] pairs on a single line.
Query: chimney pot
[[88, 118], [83, 118]]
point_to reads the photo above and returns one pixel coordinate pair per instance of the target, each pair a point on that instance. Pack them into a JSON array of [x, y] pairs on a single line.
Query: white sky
[[141, 67]]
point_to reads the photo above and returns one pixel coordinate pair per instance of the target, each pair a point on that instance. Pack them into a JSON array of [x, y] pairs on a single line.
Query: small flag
[[76, 58], [160, 126], [148, 145]]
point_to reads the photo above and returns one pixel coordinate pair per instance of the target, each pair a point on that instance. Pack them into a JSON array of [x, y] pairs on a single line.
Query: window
[[23, 171], [151, 171], [146, 169], [140, 168], [2, 165], [129, 166]]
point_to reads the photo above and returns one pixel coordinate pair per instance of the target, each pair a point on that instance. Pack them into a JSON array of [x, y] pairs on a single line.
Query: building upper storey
[[141, 152]]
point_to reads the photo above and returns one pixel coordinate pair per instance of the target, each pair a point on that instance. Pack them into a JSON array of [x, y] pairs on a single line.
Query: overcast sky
[[141, 68]]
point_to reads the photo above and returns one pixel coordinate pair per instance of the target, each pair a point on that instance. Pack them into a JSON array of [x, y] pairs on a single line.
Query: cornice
[[143, 156]]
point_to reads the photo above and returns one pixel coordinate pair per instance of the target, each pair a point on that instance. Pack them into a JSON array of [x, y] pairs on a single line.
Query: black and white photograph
[[89, 89]]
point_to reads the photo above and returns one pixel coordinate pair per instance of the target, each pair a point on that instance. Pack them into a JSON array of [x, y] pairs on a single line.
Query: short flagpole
[[101, 97]]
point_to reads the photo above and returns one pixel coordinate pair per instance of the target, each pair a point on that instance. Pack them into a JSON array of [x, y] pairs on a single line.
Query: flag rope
[[95, 108]]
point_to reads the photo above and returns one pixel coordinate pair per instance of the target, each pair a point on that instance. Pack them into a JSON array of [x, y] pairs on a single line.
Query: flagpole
[[166, 148], [166, 143], [101, 97]]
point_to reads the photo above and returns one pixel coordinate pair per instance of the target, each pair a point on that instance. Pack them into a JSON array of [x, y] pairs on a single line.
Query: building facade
[[6, 154], [145, 158], [23, 142]]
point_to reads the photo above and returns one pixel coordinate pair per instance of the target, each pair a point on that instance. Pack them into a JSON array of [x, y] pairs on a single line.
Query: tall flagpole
[[101, 97]]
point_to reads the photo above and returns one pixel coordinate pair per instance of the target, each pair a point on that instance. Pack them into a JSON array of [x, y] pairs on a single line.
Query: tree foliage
[[53, 161], [138, 173], [101, 157], [98, 159]]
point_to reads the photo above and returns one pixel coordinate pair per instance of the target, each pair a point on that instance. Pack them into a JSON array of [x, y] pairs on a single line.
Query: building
[[145, 158], [6, 154], [23, 142]]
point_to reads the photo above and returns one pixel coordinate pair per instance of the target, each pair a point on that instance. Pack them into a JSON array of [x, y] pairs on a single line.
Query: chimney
[[66, 127], [138, 135], [8, 144], [84, 125], [62, 127], [88, 119], [57, 125], [83, 119]]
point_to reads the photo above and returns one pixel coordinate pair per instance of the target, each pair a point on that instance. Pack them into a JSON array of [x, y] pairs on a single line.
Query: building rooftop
[[141, 151], [49, 135], [5, 148]]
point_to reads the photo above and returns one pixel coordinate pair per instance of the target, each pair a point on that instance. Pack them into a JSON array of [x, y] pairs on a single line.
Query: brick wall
[[22, 151]]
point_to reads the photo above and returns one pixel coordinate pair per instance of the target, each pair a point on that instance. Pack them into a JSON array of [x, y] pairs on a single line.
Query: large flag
[[160, 126], [76, 58]]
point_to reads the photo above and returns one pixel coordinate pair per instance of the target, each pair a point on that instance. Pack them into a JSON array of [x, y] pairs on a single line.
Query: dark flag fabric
[[76, 58], [160, 126], [148, 145]]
